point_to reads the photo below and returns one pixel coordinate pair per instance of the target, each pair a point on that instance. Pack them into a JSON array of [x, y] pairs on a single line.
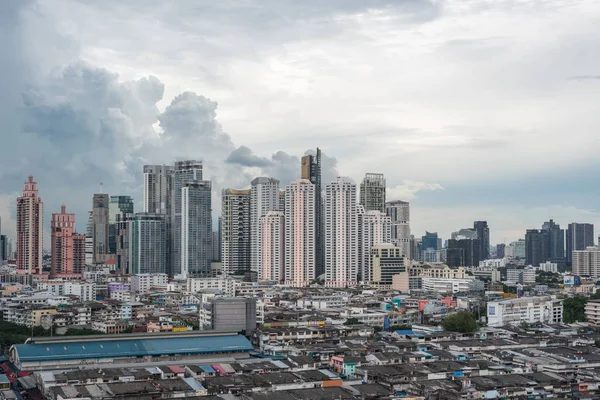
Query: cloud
[[243, 156], [584, 77], [408, 190]]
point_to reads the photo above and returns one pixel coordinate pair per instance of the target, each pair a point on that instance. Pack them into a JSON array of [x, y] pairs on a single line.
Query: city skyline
[[439, 131]]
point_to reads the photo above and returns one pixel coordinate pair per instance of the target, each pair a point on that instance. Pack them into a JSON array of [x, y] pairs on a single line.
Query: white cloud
[[408, 190]]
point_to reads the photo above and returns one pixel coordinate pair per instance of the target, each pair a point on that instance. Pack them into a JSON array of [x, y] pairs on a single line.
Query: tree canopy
[[462, 321], [574, 309]]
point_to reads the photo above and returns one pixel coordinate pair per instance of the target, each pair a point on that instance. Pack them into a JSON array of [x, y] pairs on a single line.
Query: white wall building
[[272, 236], [446, 285], [374, 227], [86, 291], [226, 284], [141, 283], [341, 233], [399, 212], [544, 309], [548, 267], [300, 233], [586, 262], [264, 197]]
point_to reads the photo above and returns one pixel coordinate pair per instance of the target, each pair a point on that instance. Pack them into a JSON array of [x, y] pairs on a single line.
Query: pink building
[[272, 246], [300, 234], [30, 219], [68, 247]]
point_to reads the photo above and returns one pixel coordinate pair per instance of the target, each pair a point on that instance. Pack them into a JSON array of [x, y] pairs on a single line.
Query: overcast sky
[[474, 110]]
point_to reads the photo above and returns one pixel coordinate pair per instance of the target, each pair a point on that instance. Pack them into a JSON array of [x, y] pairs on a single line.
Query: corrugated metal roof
[[132, 348], [208, 369]]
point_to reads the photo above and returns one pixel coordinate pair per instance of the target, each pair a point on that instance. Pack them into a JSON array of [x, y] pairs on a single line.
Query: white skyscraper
[[184, 171], [399, 212], [264, 197], [157, 185], [300, 250], [374, 227], [196, 229], [272, 234], [235, 231], [341, 233]]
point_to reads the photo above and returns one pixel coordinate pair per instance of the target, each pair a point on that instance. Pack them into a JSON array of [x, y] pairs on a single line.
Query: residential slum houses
[[534, 362]]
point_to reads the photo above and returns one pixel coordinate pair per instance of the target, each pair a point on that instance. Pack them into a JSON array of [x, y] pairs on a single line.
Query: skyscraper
[[118, 208], [311, 170], [100, 231], [30, 218], [196, 229], [146, 243], [67, 247], [190, 170], [536, 247], [399, 212], [264, 197], [341, 233], [235, 231], [587, 262], [372, 192], [483, 235], [300, 233], [429, 241], [157, 188], [272, 244], [89, 239], [556, 242], [579, 237], [374, 228], [466, 249]]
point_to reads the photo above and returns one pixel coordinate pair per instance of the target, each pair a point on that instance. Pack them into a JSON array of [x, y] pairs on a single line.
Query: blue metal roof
[[208, 369], [132, 348]]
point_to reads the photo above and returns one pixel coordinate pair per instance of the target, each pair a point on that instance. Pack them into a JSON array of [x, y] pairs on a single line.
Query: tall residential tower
[[399, 212], [372, 192], [67, 247], [235, 231], [300, 233], [30, 218], [311, 170], [264, 197]]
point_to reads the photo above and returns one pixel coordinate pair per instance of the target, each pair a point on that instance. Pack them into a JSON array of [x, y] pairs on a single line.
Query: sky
[[473, 110]]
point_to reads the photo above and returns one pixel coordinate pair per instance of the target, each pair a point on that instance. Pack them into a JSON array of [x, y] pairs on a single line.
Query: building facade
[[387, 261], [579, 237], [586, 262], [183, 171], [372, 192], [157, 188], [556, 242], [399, 212], [67, 247], [483, 235], [544, 309], [272, 234], [100, 227], [536, 247], [196, 229], [374, 227], [264, 197], [311, 171], [119, 208], [300, 233], [341, 233], [147, 244], [30, 219], [235, 231], [228, 314]]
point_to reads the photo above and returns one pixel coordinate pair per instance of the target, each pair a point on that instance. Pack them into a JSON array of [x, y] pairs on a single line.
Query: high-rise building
[[386, 262], [157, 188], [372, 192], [264, 197], [100, 227], [587, 262], [500, 250], [463, 253], [146, 243], [3, 248], [429, 241], [556, 242], [215, 246], [196, 230], [399, 212], [272, 257], [235, 231], [300, 233], [189, 170], [118, 208], [89, 239], [341, 233], [579, 237], [311, 170], [30, 218], [536, 247], [374, 227], [465, 233], [67, 247], [483, 235]]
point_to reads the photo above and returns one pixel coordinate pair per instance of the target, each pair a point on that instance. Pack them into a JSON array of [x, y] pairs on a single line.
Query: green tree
[[352, 321], [574, 309], [462, 321]]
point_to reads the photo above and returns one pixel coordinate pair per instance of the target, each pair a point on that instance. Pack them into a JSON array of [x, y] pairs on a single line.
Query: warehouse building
[[64, 352]]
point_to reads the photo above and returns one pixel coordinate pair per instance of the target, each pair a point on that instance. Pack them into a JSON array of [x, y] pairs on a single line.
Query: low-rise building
[[544, 309]]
